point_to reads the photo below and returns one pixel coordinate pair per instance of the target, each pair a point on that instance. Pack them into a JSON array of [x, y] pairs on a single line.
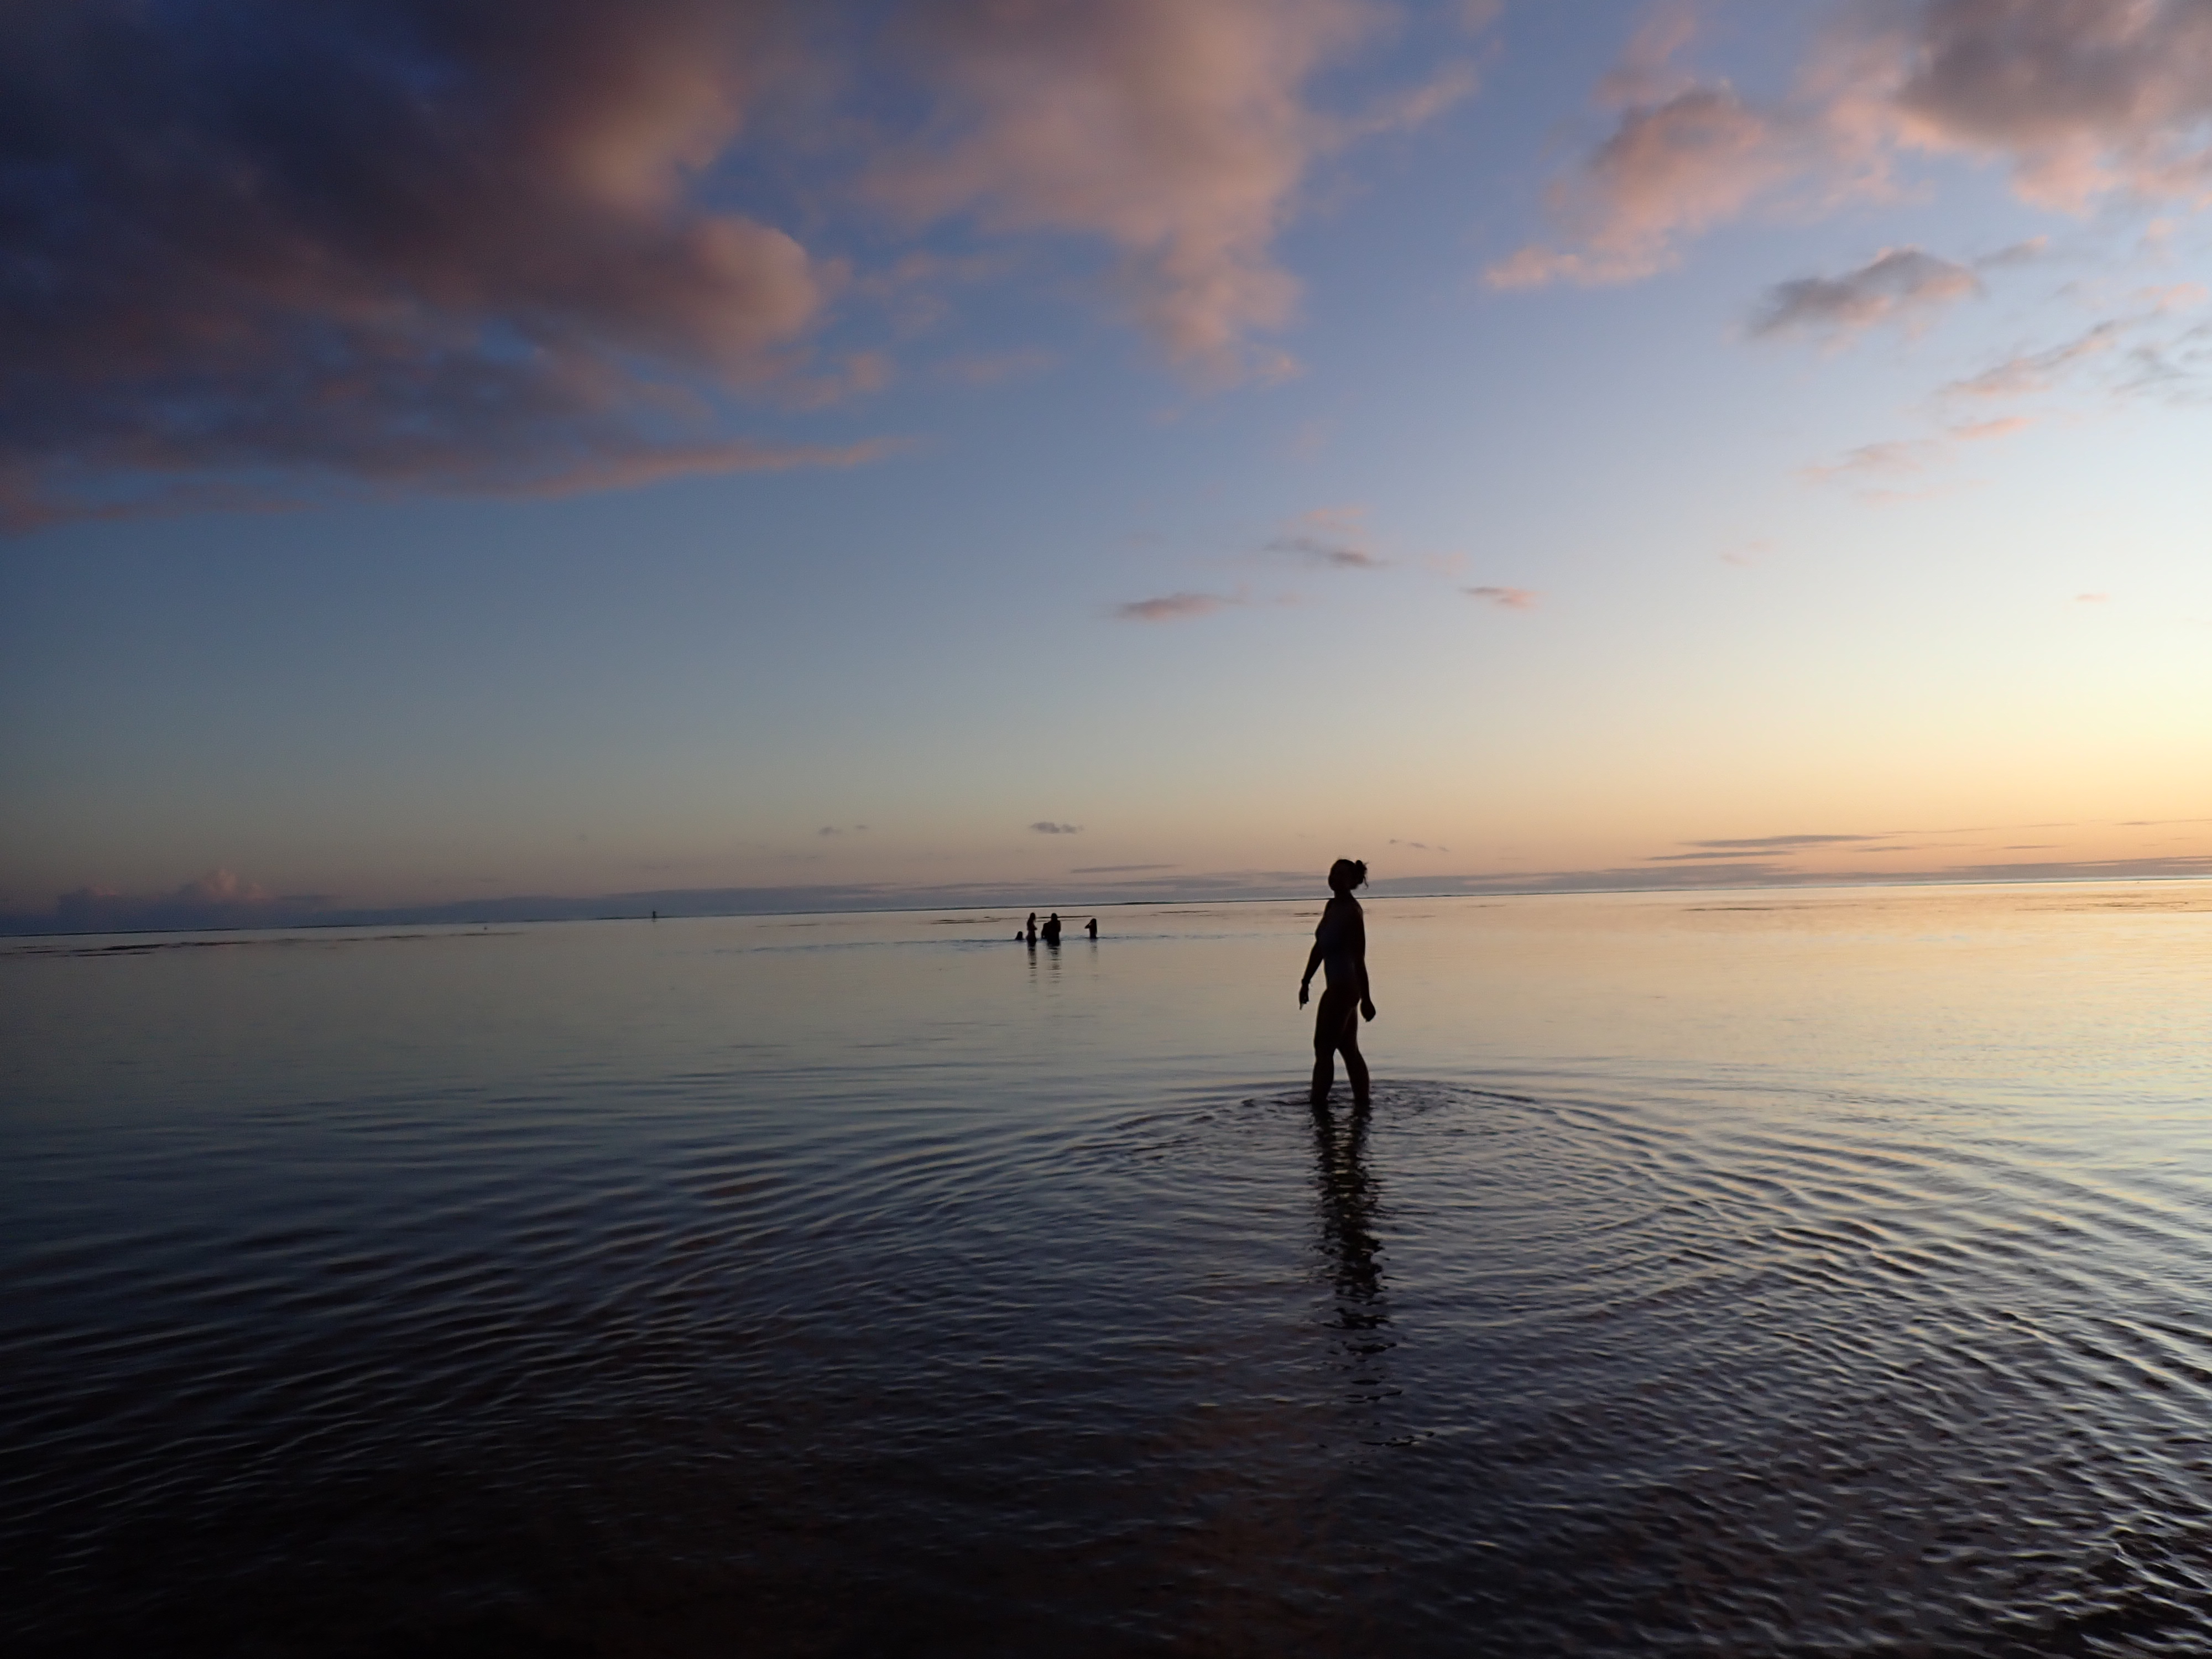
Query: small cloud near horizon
[[1785, 840], [1735, 848], [1047, 826], [1117, 869], [1506, 598], [1174, 607]]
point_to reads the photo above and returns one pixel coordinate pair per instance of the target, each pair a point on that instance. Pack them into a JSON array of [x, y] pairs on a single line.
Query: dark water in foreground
[[1799, 1273]]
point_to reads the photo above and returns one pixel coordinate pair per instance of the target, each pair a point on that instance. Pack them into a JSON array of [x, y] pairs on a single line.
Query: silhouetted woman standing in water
[[1340, 947]]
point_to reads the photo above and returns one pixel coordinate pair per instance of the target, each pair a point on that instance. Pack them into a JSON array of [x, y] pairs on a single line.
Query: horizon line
[[446, 914]]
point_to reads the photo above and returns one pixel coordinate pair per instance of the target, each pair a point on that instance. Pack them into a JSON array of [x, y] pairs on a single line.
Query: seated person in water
[[1092, 926], [1340, 947], [1051, 929]]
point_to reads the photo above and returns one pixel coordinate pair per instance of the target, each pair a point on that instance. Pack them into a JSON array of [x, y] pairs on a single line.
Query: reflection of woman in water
[[1340, 948], [1347, 1214]]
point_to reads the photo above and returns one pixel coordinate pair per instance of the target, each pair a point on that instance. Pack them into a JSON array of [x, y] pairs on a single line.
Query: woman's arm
[[1313, 961]]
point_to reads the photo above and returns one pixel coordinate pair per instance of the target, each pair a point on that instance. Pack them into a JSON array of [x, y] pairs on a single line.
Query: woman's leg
[[1337, 1026], [1328, 1033], [1355, 1065]]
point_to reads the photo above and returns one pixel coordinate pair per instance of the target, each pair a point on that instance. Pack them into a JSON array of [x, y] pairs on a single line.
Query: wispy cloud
[[1890, 458], [2034, 372], [1174, 607], [1047, 826], [1904, 286], [1771, 843], [1332, 536], [2014, 254], [2003, 426], [1506, 598], [1117, 869], [1691, 858], [1887, 471]]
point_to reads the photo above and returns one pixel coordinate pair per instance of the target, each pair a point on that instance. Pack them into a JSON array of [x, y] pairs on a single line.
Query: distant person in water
[[1051, 929], [1032, 933], [1092, 927], [1340, 948]]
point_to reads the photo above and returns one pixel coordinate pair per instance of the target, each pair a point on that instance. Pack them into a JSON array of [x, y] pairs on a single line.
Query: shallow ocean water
[[1809, 1271]]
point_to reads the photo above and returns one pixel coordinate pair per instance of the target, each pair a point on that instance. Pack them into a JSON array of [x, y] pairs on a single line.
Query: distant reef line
[[105, 912]]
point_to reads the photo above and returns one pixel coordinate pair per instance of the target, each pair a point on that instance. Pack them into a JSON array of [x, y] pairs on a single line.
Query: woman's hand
[[1302, 993], [1367, 1007]]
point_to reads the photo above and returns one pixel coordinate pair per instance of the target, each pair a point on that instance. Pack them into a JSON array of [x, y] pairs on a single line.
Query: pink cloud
[[1667, 170], [1976, 432], [2081, 101], [1175, 131]]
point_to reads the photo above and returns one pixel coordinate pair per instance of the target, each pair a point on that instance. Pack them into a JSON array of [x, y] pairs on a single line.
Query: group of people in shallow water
[[1050, 932]]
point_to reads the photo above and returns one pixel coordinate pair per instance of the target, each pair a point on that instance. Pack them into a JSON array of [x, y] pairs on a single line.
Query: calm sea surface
[[1800, 1273]]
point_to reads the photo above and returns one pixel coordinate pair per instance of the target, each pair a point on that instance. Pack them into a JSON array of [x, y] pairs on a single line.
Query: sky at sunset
[[456, 449]]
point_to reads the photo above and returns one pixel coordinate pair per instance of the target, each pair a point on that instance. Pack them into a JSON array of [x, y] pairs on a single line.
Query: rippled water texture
[[1817, 1272]]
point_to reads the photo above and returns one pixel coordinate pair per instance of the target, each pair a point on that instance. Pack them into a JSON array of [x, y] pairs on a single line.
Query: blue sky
[[499, 450]]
